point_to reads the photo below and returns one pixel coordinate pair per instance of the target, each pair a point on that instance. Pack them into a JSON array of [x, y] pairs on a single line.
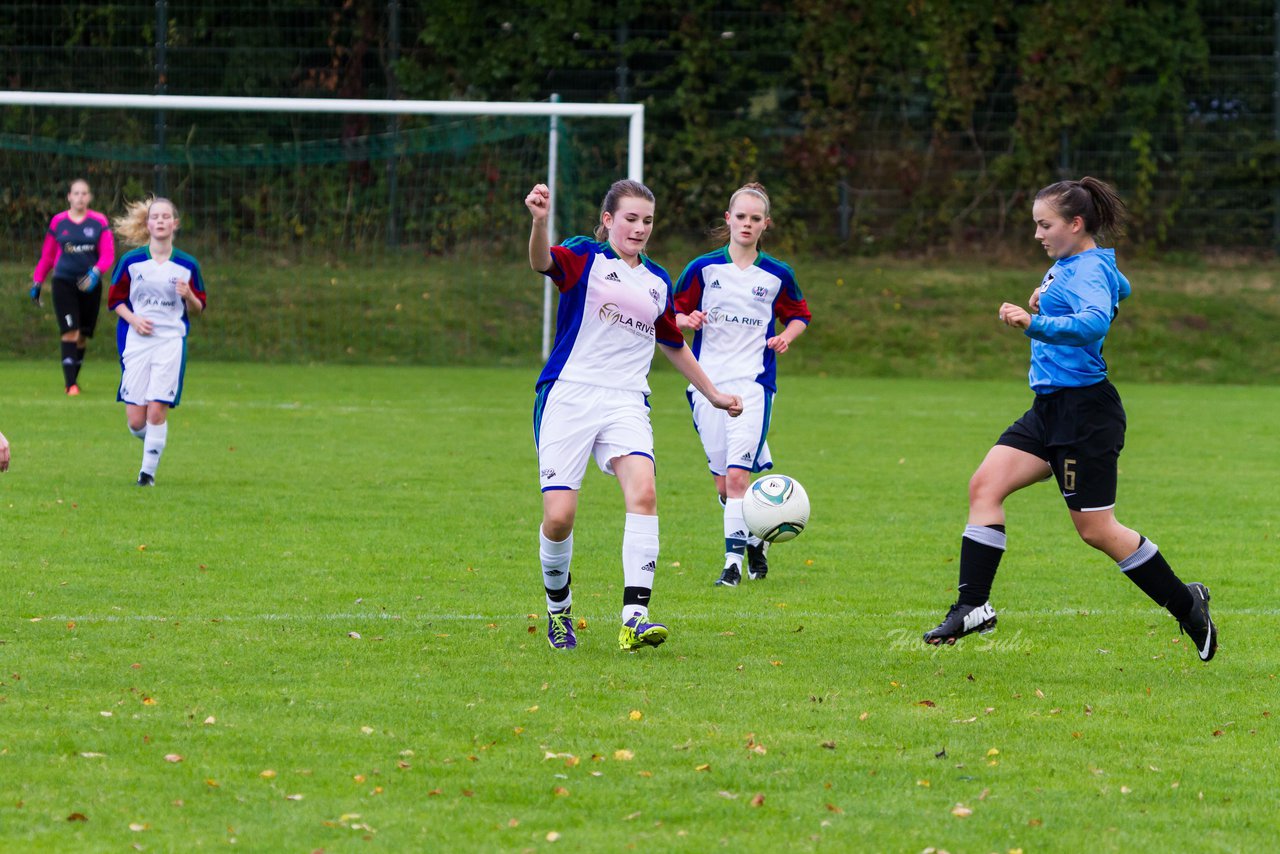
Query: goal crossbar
[[633, 112]]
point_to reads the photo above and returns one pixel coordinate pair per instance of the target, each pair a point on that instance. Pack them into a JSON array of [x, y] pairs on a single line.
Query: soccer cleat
[[73, 390], [730, 577], [560, 630], [962, 620], [145, 479], [637, 633], [757, 561], [1198, 625]]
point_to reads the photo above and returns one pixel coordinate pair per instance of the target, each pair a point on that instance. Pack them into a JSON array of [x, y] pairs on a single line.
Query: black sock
[[69, 369], [79, 361], [559, 596], [980, 553], [1148, 569]]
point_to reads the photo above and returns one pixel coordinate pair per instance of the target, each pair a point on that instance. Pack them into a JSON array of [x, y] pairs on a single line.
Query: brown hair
[[132, 224], [71, 185], [1096, 202], [620, 190], [721, 231]]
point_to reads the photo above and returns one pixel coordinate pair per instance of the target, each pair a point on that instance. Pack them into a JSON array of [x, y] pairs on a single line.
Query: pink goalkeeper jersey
[[71, 248], [610, 316]]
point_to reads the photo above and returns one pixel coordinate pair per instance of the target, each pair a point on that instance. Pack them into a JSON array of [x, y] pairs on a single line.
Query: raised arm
[[539, 204]]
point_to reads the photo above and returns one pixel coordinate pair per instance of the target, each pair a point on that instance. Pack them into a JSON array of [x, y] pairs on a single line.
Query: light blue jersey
[[1079, 297]]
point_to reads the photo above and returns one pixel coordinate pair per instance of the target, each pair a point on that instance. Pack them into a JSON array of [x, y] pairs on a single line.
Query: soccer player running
[[78, 248], [155, 290], [1075, 427], [730, 298], [592, 396]]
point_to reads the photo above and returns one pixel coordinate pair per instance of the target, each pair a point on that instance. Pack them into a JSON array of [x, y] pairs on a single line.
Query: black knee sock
[[69, 362], [79, 362], [980, 553], [1148, 569]]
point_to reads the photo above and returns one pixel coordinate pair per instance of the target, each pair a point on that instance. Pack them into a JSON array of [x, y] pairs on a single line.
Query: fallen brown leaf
[[758, 800]]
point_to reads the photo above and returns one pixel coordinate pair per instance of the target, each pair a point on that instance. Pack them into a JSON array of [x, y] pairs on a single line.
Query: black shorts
[[1079, 432], [75, 309]]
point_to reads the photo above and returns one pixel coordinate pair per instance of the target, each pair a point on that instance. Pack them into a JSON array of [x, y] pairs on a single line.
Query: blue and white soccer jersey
[[741, 307], [593, 392], [152, 366]]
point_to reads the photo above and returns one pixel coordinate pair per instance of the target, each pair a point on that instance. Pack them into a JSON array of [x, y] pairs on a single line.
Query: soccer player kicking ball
[[730, 298], [155, 290], [592, 396], [1076, 425]]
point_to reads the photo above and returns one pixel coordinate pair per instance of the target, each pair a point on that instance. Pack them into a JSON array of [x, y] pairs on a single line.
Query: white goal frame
[[554, 110]]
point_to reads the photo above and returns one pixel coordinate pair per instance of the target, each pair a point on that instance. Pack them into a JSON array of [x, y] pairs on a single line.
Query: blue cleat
[[560, 630], [637, 633]]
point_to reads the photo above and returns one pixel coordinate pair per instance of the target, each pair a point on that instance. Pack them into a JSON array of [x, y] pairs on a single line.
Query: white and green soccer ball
[[776, 508]]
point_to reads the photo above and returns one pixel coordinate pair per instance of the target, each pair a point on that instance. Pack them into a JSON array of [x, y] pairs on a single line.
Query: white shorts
[[740, 442], [573, 421], [152, 370]]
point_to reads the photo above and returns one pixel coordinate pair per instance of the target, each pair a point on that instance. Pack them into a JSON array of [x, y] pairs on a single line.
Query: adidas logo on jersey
[[651, 566], [715, 283], [612, 277]]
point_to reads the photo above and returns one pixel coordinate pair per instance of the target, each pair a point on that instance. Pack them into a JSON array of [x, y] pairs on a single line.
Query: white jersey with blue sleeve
[[741, 306], [610, 315]]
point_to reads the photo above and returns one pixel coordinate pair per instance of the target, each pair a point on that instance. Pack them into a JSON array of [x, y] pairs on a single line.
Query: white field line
[[524, 616]]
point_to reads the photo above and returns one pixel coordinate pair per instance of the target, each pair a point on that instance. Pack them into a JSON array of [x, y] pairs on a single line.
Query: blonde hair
[[132, 224], [620, 190], [753, 188]]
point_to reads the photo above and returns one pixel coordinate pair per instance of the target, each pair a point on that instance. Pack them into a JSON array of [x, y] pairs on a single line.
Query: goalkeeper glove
[[89, 280], [35, 294]]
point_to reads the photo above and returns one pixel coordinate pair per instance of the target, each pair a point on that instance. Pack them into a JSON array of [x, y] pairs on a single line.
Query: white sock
[[140, 433], [639, 564], [555, 557], [153, 446], [735, 533]]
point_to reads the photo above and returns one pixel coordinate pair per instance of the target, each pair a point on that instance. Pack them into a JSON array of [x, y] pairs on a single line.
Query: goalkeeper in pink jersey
[[78, 250], [731, 299]]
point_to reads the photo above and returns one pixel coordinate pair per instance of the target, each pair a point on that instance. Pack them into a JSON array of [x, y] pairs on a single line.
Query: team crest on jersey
[[1048, 280], [653, 294], [760, 293], [88, 231]]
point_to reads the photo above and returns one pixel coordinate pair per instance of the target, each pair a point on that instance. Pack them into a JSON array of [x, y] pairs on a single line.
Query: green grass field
[[324, 629]]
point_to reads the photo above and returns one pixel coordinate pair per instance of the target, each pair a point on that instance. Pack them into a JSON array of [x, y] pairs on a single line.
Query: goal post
[[128, 105]]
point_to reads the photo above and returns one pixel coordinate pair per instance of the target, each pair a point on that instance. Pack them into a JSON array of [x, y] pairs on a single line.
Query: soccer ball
[[776, 508]]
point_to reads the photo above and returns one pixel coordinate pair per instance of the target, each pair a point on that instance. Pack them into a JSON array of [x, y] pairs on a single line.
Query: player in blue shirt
[[1075, 428]]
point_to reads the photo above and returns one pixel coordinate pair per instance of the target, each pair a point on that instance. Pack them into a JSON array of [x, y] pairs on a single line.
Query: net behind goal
[[315, 195]]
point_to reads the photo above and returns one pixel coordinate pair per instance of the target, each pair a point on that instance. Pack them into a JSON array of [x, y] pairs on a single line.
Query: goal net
[[281, 193]]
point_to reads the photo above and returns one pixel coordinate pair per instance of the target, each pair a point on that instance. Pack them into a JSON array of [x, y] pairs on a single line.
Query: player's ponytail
[[620, 190], [132, 224], [753, 188], [1094, 201]]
